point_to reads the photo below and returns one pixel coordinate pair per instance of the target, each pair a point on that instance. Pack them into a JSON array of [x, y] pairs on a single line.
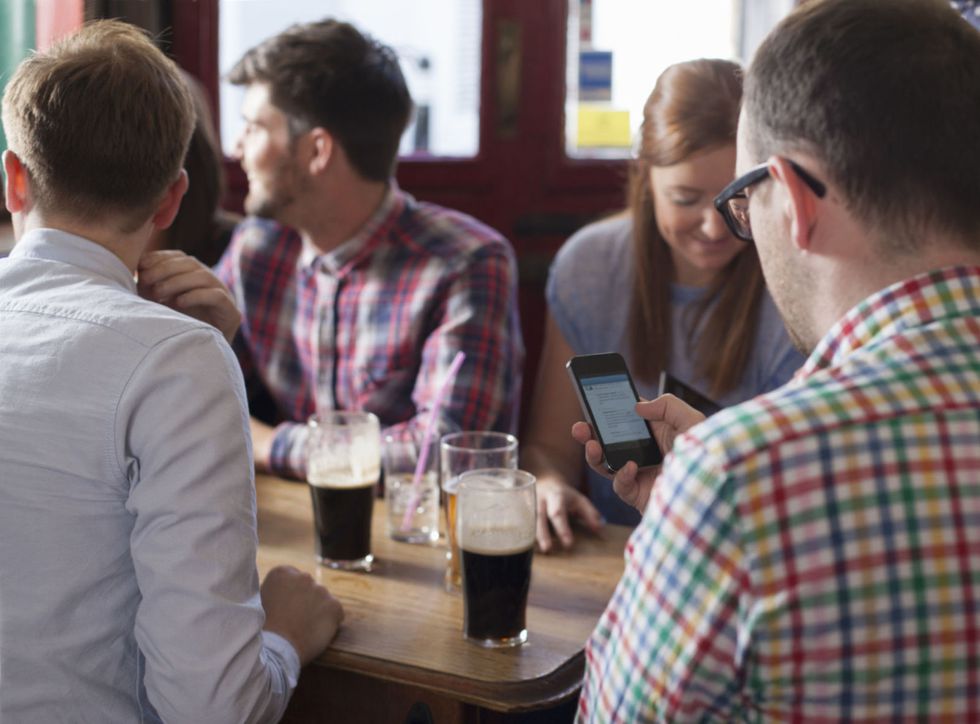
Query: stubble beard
[[281, 193], [267, 207], [793, 293]]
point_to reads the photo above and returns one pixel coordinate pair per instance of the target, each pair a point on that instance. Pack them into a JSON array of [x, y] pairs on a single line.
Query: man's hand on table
[[300, 610], [668, 417]]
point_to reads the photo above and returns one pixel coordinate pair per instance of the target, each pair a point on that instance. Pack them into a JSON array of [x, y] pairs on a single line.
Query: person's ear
[[321, 150], [16, 182], [169, 205], [800, 205]]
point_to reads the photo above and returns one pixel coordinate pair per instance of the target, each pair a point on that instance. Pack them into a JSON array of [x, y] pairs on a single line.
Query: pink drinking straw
[[430, 428]]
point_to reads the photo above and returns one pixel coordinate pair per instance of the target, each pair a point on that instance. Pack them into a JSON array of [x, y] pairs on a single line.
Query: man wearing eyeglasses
[[814, 553]]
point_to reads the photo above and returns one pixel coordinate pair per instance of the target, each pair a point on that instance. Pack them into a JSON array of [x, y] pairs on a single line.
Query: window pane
[[616, 51], [442, 68]]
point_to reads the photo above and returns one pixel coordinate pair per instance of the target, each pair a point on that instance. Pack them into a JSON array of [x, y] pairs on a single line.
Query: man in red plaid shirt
[[354, 295]]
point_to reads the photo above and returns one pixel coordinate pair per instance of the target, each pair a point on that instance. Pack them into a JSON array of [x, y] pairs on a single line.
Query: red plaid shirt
[[374, 324]]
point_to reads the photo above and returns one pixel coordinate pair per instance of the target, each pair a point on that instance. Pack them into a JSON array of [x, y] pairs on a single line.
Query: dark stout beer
[[343, 522], [495, 585], [495, 517]]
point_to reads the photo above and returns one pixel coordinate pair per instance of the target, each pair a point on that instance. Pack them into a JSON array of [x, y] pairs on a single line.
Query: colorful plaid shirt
[[375, 324], [814, 554]]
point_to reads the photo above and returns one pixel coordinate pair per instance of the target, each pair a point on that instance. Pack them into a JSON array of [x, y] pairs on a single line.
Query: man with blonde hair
[[128, 587]]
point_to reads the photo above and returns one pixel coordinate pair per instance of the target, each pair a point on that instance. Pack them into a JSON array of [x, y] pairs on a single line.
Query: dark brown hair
[[101, 121], [328, 74], [887, 96], [201, 228], [693, 108]]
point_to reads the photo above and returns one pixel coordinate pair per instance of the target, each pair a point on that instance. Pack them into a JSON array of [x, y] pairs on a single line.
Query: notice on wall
[[601, 127], [595, 75]]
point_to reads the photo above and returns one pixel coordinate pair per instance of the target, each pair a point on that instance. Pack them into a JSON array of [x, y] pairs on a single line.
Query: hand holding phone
[[608, 397]]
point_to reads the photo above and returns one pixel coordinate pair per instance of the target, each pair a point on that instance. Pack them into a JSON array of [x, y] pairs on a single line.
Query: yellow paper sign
[[603, 128]]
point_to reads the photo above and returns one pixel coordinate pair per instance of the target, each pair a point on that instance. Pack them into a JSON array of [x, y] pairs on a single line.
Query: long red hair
[[693, 107]]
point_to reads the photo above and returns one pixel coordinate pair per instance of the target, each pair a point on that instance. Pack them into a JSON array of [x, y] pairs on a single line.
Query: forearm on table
[[481, 397], [285, 451], [552, 465], [477, 319]]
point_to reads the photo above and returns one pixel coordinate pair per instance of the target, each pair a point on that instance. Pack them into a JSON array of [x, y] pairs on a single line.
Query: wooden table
[[401, 642]]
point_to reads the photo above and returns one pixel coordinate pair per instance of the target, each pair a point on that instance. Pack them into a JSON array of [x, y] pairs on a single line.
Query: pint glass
[[343, 466], [460, 452], [495, 529]]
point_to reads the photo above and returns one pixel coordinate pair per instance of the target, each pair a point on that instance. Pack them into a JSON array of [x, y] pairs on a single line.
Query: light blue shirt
[[128, 587], [589, 292]]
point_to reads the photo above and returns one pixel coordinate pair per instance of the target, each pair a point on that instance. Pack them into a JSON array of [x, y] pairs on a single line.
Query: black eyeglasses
[[733, 204]]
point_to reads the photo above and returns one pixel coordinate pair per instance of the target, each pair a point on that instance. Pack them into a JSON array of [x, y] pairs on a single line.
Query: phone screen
[[612, 401], [608, 398]]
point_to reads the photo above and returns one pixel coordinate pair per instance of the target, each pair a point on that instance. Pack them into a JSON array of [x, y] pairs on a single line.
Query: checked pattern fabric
[[814, 554]]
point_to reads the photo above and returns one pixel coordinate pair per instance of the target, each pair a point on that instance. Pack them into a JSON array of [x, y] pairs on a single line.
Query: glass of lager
[[495, 521], [458, 453], [343, 466]]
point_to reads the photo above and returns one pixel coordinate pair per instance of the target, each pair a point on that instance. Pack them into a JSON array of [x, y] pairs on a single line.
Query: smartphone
[[696, 399], [608, 397]]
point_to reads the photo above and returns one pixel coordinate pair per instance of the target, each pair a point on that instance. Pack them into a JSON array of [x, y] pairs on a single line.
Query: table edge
[[506, 697]]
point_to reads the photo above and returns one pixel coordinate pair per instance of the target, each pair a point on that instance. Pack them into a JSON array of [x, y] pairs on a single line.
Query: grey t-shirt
[[589, 293]]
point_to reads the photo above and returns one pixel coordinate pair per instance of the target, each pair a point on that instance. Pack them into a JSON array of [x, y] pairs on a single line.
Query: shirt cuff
[[288, 454], [284, 651]]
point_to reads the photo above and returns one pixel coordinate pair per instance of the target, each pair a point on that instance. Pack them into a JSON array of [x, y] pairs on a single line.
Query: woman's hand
[[558, 503]]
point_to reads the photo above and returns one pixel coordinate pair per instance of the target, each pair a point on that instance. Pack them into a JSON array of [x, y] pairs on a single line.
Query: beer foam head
[[496, 511], [324, 471], [496, 539], [343, 449]]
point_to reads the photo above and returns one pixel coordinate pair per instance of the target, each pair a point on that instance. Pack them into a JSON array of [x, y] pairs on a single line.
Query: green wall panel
[[17, 37]]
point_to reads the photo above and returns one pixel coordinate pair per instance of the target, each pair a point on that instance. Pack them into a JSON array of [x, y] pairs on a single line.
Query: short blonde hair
[[101, 121]]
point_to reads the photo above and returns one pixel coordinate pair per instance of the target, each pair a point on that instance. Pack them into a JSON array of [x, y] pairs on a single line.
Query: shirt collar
[[943, 293], [341, 259], [60, 246]]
